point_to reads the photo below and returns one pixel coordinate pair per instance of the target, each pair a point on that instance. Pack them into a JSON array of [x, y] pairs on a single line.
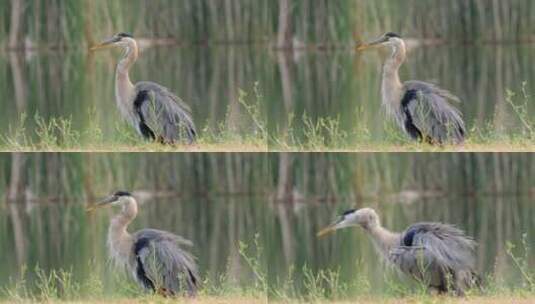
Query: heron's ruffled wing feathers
[[433, 115], [415, 261], [431, 88], [447, 243], [170, 268], [155, 234], [152, 86], [437, 251], [166, 114]]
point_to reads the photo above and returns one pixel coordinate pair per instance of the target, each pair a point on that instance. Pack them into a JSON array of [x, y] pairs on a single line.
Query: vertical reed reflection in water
[[218, 200], [338, 85]]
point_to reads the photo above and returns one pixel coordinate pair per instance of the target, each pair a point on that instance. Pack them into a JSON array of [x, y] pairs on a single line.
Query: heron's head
[[366, 218], [388, 39], [118, 40], [119, 198]]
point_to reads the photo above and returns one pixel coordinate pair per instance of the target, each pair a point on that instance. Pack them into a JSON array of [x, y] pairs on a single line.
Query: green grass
[[314, 286], [37, 285], [249, 132], [325, 134], [58, 134], [325, 285]]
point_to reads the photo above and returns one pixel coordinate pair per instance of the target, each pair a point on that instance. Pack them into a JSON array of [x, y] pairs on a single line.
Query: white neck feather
[[120, 242], [383, 239], [124, 89], [391, 87]]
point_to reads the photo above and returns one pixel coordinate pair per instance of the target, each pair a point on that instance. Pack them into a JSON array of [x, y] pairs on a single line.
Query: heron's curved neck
[[383, 239], [124, 89], [391, 84], [130, 56], [119, 240]]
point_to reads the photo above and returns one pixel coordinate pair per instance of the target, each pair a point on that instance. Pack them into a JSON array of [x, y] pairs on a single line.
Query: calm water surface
[[337, 84], [492, 221], [64, 236]]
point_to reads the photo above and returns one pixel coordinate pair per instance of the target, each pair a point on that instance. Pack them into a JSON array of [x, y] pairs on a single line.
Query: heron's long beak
[[104, 44], [331, 228], [103, 203], [327, 230], [371, 44]]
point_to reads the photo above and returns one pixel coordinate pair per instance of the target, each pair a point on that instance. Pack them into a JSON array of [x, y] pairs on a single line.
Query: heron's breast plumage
[[119, 244], [124, 96]]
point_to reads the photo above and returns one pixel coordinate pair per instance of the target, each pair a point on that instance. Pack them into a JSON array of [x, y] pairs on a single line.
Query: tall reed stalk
[[61, 23]]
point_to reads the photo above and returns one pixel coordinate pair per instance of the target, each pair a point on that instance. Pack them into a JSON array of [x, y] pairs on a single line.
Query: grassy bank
[[248, 132], [59, 134], [365, 300], [300, 286], [327, 134]]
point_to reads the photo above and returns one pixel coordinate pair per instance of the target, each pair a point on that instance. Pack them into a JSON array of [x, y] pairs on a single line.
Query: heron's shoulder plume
[[392, 35], [122, 193], [122, 34]]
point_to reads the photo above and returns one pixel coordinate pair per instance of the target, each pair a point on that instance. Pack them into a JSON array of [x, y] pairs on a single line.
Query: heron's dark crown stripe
[[122, 193], [348, 212], [390, 35], [125, 35], [142, 97]]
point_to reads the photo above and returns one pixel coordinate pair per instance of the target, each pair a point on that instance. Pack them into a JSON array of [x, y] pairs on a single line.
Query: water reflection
[[492, 221], [338, 84], [218, 200], [63, 236], [346, 86]]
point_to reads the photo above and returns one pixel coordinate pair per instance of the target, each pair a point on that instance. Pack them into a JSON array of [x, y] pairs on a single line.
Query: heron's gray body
[[155, 112], [153, 257], [425, 114], [159, 114], [160, 263], [421, 109], [439, 256]]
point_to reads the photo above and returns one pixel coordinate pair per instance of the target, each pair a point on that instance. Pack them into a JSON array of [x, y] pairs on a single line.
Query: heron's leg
[[460, 283], [442, 289], [434, 291], [162, 140], [164, 292]]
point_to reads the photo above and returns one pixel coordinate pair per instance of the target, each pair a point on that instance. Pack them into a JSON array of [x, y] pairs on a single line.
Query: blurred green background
[[282, 200]]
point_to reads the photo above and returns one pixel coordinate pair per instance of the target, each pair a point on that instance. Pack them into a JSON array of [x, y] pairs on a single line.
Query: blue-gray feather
[[440, 255], [169, 268], [431, 113], [163, 113]]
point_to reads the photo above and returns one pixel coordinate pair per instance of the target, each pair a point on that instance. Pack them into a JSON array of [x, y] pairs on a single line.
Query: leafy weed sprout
[[255, 263], [58, 134], [245, 128], [522, 263], [314, 286]]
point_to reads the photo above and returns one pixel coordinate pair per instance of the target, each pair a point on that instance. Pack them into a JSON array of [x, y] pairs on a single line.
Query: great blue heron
[[421, 109], [152, 256], [155, 112], [438, 255]]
